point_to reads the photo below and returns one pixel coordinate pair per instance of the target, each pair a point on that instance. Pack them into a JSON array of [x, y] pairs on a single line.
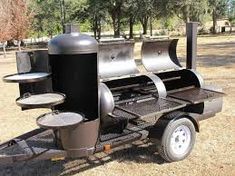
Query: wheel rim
[[180, 140]]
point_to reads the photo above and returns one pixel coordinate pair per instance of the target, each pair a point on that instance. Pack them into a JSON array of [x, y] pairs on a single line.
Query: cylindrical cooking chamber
[[73, 62]]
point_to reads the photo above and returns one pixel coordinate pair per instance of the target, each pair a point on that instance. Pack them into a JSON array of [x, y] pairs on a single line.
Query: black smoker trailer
[[100, 100]]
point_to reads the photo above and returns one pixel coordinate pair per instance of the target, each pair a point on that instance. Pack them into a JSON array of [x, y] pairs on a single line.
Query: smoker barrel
[[73, 62], [138, 87], [160, 55], [74, 67], [116, 58]]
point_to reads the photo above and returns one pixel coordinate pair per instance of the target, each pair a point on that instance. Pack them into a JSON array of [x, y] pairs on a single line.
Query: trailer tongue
[[99, 99]]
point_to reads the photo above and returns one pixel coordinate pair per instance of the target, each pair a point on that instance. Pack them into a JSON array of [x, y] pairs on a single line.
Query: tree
[[47, 17], [97, 15], [149, 10], [145, 13], [231, 8], [20, 20], [131, 12], [5, 23], [115, 9], [92, 10], [218, 8], [231, 13], [15, 20], [187, 10], [62, 14]]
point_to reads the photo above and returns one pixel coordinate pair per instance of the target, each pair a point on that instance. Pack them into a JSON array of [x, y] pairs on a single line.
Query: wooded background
[[35, 18]]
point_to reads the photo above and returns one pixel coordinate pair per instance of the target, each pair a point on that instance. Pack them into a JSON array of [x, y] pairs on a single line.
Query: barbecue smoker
[[100, 100]]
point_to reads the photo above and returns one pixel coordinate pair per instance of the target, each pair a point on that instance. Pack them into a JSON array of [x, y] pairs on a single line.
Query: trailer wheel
[[178, 140]]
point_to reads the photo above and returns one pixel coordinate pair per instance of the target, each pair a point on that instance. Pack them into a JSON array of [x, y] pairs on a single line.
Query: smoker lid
[[56, 120], [160, 55], [72, 43], [26, 77], [46, 100], [116, 58]]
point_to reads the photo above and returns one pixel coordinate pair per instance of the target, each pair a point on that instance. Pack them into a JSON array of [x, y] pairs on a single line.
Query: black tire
[[174, 152]]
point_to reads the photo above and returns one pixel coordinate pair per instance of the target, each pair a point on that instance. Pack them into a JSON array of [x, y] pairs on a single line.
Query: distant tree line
[[52, 14]]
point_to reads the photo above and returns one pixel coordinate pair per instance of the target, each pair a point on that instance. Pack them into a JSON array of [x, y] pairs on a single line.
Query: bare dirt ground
[[214, 151]]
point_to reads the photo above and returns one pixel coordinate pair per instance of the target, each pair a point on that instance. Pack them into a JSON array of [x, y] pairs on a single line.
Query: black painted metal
[[35, 145], [33, 61], [152, 106], [191, 30], [174, 80], [196, 95], [77, 77], [74, 67]]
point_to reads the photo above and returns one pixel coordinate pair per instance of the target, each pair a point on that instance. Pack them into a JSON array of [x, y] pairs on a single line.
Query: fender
[[157, 130]]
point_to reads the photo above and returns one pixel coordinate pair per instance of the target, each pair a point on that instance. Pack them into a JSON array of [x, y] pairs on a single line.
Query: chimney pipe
[[70, 28], [191, 32]]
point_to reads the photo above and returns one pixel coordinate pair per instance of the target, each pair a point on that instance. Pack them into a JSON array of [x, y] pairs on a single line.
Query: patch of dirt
[[214, 151]]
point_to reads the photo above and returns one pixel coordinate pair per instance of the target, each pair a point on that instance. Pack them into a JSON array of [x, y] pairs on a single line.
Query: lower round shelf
[[56, 120]]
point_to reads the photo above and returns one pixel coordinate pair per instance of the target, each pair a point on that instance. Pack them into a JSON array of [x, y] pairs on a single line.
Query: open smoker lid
[[56, 120], [46, 100], [116, 58], [160, 55], [26, 77]]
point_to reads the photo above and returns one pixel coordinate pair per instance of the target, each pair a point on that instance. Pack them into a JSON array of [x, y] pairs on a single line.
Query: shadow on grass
[[215, 56], [139, 153], [216, 60], [219, 45]]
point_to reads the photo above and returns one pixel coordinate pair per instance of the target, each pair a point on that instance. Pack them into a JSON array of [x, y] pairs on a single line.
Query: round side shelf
[[26, 77], [57, 120], [46, 100]]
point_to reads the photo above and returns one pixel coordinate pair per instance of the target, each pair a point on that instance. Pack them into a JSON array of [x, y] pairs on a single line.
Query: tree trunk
[[51, 35], [62, 15], [188, 20], [116, 27], [19, 43], [131, 24], [99, 29], [94, 27], [64, 11], [4, 49], [144, 23], [94, 31], [185, 12], [214, 16], [151, 26], [116, 18], [116, 33]]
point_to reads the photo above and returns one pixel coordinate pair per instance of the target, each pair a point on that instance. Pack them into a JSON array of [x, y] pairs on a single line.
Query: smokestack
[[70, 28], [191, 32]]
